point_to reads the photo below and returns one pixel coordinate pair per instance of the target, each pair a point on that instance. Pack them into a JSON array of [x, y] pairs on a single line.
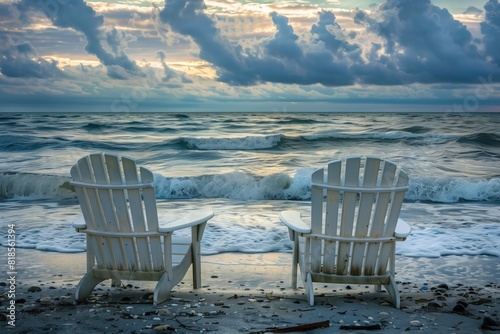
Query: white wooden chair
[[124, 238], [352, 234]]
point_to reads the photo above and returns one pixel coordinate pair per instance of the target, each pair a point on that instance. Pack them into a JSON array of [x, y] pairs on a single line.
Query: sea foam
[[238, 143]]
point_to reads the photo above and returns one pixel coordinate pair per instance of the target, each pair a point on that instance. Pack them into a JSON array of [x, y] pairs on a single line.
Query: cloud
[[172, 78], [424, 43], [76, 14], [491, 30], [471, 10], [20, 60]]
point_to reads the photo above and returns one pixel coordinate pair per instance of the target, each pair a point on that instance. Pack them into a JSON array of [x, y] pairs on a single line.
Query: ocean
[[247, 167]]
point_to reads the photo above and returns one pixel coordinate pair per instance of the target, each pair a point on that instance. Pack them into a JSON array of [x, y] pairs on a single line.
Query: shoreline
[[251, 293]]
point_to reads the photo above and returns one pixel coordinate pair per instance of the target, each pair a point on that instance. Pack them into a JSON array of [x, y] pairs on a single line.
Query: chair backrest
[[119, 207], [357, 221]]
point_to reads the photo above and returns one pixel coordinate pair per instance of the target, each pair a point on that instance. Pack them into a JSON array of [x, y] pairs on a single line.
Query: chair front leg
[[197, 234], [295, 259]]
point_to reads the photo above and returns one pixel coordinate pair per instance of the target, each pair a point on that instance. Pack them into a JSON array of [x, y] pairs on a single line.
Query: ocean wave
[[239, 143], [482, 139], [388, 136], [453, 190], [24, 143], [273, 141], [31, 186], [244, 186]]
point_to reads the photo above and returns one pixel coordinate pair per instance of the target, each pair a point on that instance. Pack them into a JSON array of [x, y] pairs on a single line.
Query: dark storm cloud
[[424, 43], [20, 60], [419, 43], [491, 30], [279, 59], [76, 14]]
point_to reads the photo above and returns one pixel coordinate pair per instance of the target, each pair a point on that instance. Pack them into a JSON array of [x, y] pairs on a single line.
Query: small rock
[[415, 323], [460, 309], [163, 312], [443, 286], [218, 303], [491, 324], [434, 305], [164, 328], [34, 289], [45, 299], [148, 296]]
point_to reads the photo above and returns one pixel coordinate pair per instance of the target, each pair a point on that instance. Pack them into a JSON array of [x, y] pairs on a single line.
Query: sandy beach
[[250, 293]]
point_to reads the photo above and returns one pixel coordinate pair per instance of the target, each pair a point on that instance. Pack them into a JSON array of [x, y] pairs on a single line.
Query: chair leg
[[196, 257], [392, 290], [196, 266], [295, 261], [87, 285], [308, 285], [162, 289], [116, 282]]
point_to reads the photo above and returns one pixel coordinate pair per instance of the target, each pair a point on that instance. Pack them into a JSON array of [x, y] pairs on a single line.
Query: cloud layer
[[186, 53], [419, 43]]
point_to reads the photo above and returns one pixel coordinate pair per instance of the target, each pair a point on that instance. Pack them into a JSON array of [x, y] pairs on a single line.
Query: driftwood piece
[[298, 328], [372, 327]]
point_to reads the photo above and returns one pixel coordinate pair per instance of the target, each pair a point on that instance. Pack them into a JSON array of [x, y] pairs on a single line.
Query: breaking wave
[[244, 186]]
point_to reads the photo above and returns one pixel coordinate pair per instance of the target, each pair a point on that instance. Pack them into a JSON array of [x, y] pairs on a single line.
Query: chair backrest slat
[[331, 217], [151, 213], [348, 214], [316, 220]]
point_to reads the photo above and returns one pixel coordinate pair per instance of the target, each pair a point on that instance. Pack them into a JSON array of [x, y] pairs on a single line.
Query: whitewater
[[247, 167]]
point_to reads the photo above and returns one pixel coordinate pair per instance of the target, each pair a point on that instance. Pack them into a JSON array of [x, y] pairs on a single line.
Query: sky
[[248, 55]]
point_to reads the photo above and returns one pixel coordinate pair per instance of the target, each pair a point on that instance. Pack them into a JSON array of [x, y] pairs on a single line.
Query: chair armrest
[[189, 220], [402, 229], [294, 222], [79, 223]]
